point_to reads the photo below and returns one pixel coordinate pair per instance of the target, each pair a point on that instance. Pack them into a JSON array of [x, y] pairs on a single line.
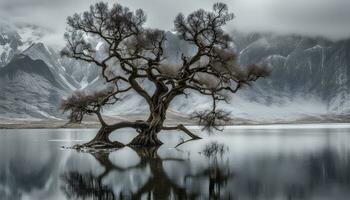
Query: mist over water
[[240, 163]]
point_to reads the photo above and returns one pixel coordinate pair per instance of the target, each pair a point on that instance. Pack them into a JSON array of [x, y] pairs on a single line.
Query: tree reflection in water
[[218, 174], [210, 175], [158, 186], [285, 167]]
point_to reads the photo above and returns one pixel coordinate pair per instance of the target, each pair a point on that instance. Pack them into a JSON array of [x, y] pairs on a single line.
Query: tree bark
[[148, 137]]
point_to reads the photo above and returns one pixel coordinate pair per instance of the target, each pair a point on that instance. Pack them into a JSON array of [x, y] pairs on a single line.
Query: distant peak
[[36, 45], [39, 46]]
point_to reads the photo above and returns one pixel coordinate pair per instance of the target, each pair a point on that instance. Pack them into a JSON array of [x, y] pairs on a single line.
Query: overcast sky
[[328, 18]]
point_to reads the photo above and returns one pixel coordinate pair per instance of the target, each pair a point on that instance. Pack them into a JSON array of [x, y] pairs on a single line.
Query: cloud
[[327, 18]]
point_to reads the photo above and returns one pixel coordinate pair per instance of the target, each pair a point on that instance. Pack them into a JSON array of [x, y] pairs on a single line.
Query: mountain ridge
[[310, 76]]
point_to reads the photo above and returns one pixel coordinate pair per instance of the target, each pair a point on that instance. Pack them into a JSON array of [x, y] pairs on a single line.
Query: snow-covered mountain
[[310, 77], [16, 38], [10, 41]]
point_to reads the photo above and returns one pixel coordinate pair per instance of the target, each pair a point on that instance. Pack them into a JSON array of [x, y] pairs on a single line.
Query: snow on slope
[[38, 51], [15, 38], [28, 89]]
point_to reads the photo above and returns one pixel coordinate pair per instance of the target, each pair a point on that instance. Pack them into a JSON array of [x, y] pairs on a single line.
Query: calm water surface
[[272, 163]]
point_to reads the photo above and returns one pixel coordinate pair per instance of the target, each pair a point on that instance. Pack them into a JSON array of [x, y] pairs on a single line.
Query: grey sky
[[328, 18]]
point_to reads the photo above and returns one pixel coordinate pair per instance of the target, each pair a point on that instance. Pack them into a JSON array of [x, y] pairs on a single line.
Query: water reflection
[[241, 165], [158, 186], [25, 167], [217, 172]]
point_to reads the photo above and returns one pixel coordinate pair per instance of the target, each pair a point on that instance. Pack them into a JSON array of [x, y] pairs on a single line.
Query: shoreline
[[62, 124], [172, 119]]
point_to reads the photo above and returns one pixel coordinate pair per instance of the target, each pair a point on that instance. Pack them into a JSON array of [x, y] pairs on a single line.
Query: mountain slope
[[28, 89], [39, 51], [303, 66]]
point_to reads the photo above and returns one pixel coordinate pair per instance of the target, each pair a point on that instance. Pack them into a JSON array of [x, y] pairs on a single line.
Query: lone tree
[[135, 53]]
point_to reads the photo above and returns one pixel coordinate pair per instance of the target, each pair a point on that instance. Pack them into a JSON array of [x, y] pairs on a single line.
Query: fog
[[326, 18]]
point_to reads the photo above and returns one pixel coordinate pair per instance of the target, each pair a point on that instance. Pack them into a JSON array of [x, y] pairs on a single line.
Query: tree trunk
[[148, 137]]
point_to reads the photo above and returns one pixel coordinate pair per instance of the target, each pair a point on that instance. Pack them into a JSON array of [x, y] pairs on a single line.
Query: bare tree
[[136, 53]]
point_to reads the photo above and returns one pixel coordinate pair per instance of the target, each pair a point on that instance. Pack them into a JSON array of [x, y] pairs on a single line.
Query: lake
[[245, 162]]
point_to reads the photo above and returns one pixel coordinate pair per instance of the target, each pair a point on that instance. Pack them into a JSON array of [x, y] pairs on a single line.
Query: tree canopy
[[134, 52]]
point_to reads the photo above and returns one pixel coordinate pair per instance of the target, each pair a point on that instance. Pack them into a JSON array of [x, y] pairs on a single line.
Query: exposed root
[[146, 140]]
